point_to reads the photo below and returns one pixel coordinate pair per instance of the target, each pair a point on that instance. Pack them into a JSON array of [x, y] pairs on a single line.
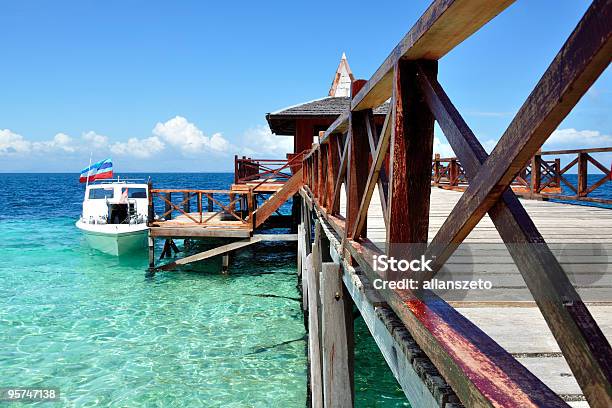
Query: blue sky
[[135, 79]]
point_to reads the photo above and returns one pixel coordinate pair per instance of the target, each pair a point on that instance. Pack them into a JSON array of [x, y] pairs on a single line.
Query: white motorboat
[[114, 218]]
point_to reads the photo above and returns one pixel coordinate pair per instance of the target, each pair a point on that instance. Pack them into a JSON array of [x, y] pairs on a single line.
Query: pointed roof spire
[[341, 86]]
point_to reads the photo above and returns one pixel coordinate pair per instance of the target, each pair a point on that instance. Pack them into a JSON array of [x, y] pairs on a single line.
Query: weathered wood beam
[[443, 26], [580, 61], [210, 253], [340, 125], [373, 138], [314, 340], [323, 173], [357, 168], [378, 159], [333, 170], [578, 335], [335, 203], [337, 324], [291, 187], [411, 152]]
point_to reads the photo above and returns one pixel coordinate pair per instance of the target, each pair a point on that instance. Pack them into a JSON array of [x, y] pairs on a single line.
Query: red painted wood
[[411, 151], [359, 154]]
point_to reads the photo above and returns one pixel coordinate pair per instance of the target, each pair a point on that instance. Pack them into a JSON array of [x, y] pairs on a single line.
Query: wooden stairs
[[289, 189]]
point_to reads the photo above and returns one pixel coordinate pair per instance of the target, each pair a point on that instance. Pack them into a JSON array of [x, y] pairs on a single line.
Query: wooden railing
[[259, 171], [546, 183], [211, 207], [581, 189], [352, 152]]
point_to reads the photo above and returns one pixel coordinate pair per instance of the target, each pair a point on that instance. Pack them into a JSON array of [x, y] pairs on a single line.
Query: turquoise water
[[95, 327]]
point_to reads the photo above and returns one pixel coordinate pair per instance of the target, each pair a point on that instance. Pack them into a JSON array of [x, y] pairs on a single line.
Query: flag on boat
[[100, 170]]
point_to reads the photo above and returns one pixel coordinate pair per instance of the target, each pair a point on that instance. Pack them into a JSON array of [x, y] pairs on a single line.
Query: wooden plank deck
[[580, 237], [259, 186], [183, 227]]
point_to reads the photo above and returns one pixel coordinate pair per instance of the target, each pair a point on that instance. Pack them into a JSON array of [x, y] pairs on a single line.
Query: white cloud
[[13, 143], [60, 141], [181, 133], [177, 133], [442, 148], [95, 140], [577, 139], [218, 143], [140, 148]]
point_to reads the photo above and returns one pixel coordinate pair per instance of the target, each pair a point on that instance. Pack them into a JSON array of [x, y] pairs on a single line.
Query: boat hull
[[115, 240]]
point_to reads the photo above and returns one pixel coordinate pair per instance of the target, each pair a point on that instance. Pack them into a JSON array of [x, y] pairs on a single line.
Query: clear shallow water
[[95, 327]]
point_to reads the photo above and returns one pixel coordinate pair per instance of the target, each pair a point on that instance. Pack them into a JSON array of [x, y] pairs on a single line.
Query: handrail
[[249, 170], [543, 184], [214, 209]]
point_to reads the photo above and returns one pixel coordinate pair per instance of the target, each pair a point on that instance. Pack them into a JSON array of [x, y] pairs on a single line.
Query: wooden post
[[333, 171], [200, 205], [296, 208], [583, 166], [236, 169], [151, 209], [536, 173], [453, 173], [151, 242], [167, 206], [187, 209], [251, 207], [318, 174], [359, 156], [337, 338], [232, 206], [306, 221], [166, 250], [186, 199], [436, 169], [410, 151], [303, 276], [210, 202], [322, 156], [313, 273], [557, 176], [225, 263]]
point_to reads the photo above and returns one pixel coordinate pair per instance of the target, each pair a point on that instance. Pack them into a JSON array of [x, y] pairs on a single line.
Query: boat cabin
[[115, 203]]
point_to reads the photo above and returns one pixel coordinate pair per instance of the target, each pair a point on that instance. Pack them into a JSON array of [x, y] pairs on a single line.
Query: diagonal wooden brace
[[578, 335]]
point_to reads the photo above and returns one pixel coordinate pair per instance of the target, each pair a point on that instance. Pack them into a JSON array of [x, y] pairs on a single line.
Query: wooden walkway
[[509, 315], [396, 157]]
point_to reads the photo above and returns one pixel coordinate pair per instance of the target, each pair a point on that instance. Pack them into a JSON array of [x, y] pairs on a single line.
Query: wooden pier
[[372, 186], [543, 339], [233, 214]]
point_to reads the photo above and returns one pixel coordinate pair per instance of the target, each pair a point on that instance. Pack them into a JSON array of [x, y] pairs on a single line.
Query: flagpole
[[88, 170]]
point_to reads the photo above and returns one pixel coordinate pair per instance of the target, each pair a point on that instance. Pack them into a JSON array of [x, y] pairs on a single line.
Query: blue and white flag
[[100, 170]]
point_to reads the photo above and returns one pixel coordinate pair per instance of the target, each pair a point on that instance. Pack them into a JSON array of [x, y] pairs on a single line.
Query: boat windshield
[[134, 192], [101, 193]]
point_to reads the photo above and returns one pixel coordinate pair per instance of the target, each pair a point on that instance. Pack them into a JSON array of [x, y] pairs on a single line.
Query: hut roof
[[282, 122]]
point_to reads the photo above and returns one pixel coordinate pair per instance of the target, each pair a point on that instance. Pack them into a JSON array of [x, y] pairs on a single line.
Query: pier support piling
[[151, 242], [225, 263], [337, 336]]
